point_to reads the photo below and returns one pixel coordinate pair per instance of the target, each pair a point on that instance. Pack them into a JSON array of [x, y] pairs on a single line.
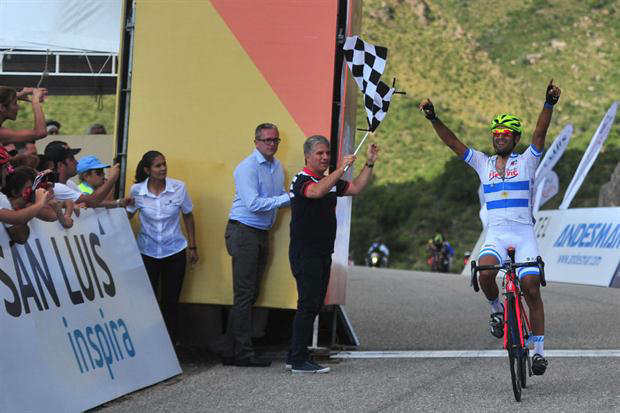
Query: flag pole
[[358, 148]]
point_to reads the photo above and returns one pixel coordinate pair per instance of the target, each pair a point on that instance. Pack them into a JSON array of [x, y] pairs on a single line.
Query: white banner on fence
[[80, 324], [580, 246], [554, 153], [546, 189], [589, 156]]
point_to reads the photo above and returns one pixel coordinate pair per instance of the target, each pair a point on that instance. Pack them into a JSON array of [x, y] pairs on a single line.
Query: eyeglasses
[[274, 141], [498, 133]]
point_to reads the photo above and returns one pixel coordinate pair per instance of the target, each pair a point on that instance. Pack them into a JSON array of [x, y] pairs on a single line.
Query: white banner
[[79, 320], [580, 246], [548, 187], [62, 25], [589, 156], [554, 153]]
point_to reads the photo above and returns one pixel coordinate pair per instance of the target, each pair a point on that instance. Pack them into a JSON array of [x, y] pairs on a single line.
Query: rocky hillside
[[476, 59]]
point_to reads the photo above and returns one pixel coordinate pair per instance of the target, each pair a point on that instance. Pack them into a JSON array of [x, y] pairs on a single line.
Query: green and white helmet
[[507, 121]]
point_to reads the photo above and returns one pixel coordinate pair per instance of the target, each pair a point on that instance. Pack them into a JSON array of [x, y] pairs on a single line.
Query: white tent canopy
[[61, 25]]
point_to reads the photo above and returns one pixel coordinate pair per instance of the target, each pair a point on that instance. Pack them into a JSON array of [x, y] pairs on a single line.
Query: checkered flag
[[367, 63], [377, 107]]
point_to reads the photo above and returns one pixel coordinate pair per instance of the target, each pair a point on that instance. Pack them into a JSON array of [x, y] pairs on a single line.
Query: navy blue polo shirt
[[313, 220]]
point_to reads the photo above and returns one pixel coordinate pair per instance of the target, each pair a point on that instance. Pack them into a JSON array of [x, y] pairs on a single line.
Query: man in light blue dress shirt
[[259, 192]]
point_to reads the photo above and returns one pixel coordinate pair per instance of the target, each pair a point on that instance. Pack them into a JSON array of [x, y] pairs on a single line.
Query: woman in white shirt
[[161, 201]]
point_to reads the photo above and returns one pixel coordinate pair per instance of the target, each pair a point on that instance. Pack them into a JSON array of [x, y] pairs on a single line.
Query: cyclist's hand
[[427, 107], [553, 93]]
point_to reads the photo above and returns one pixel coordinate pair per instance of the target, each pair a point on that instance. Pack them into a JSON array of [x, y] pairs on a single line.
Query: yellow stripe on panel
[[197, 97]]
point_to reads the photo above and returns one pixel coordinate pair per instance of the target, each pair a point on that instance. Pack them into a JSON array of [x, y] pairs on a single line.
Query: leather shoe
[[252, 362]]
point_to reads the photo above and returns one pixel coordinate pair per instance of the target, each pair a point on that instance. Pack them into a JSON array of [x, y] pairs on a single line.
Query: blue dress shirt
[[259, 191]]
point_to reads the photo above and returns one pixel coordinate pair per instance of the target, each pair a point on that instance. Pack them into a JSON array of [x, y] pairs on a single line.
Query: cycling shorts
[[519, 236]]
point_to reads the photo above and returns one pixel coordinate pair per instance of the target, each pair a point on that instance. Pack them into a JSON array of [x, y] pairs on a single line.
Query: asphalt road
[[414, 311]]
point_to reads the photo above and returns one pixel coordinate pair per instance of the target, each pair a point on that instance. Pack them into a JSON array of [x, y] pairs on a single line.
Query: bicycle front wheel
[[524, 351], [512, 346]]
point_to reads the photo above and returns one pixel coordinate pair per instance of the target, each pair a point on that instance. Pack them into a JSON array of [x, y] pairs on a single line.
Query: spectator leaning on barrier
[[91, 175], [160, 201], [259, 192], [19, 203], [66, 167], [313, 232], [9, 109]]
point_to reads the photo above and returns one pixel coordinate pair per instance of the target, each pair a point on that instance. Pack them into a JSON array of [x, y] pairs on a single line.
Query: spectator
[[44, 163], [313, 232], [160, 200], [66, 167], [96, 129], [26, 148], [9, 109], [259, 192], [11, 149], [53, 127], [19, 203], [91, 176]]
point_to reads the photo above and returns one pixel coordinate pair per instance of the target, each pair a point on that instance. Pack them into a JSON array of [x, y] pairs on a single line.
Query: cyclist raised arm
[[544, 119], [507, 179], [446, 135]]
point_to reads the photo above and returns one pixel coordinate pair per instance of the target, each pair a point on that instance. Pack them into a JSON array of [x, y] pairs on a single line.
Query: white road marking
[[466, 354]]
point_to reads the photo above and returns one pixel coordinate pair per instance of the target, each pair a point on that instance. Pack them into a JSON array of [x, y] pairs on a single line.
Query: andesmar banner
[[580, 245], [80, 324]]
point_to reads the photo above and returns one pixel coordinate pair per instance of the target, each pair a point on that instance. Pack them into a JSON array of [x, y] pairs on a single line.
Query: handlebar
[[506, 266]]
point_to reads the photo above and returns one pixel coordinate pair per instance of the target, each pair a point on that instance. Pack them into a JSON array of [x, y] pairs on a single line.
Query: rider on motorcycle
[[378, 254]]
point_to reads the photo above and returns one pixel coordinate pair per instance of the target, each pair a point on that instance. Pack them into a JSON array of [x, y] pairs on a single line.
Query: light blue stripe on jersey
[[490, 251], [507, 186], [523, 271], [535, 151], [468, 155], [508, 203]]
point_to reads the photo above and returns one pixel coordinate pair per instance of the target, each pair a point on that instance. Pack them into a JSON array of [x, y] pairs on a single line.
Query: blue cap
[[88, 163]]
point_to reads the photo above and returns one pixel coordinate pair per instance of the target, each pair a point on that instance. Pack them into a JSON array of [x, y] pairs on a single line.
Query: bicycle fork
[[521, 315]]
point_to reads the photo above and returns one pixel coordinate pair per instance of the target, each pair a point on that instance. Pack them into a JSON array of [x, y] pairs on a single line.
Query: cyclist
[[507, 179], [435, 249]]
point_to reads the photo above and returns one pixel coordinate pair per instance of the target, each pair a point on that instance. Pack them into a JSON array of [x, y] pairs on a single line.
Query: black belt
[[235, 222]]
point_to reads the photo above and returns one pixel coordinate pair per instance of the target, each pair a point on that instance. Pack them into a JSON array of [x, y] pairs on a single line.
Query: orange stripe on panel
[[293, 46]]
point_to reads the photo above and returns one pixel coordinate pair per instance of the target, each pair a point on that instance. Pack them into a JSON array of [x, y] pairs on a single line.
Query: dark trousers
[[166, 275], [312, 277], [249, 249]]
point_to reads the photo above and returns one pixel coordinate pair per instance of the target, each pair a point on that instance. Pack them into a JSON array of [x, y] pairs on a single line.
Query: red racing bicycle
[[517, 327]]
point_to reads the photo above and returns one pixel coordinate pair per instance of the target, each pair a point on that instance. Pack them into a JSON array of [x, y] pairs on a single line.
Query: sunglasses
[[498, 133]]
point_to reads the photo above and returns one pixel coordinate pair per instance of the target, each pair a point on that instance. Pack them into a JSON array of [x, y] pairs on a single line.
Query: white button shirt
[[160, 230]]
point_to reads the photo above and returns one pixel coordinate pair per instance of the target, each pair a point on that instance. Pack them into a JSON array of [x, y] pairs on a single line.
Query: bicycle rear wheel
[[514, 358]]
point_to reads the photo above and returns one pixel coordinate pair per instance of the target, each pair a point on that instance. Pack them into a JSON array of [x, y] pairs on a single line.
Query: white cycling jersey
[[508, 199]]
